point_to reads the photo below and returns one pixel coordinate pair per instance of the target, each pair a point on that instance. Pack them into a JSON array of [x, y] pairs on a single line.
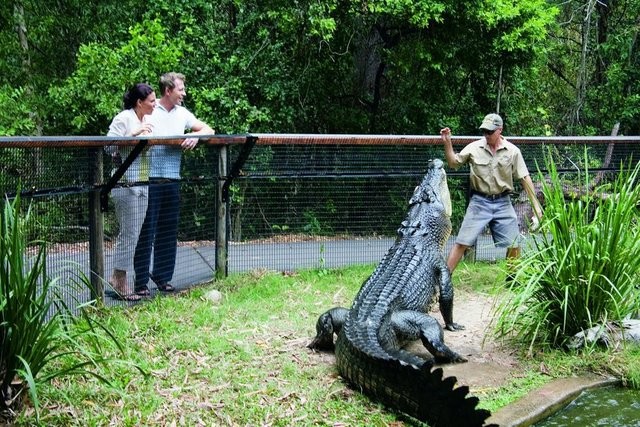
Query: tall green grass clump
[[585, 268], [40, 337]]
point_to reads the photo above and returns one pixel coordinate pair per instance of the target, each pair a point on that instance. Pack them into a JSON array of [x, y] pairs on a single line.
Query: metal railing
[[276, 201]]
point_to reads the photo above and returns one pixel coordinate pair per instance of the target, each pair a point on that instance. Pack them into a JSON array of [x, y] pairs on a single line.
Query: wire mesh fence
[[294, 201]]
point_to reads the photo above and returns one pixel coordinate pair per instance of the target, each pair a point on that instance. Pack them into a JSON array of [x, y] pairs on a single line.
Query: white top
[[123, 124], [166, 159]]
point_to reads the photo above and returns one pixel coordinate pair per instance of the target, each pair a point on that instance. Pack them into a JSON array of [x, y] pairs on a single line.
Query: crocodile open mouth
[[445, 196]]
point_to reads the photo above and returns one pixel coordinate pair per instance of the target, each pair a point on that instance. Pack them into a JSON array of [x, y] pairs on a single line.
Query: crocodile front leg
[[329, 323], [409, 325]]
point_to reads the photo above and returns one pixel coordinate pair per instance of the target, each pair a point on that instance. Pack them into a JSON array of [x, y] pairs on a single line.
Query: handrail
[[101, 141], [347, 139], [292, 139]]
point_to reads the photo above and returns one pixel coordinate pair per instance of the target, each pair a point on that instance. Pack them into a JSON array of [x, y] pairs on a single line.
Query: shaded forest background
[[337, 66]]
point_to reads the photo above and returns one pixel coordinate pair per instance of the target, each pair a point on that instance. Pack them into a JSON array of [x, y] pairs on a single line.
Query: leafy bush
[[92, 95], [585, 268], [37, 326], [16, 117]]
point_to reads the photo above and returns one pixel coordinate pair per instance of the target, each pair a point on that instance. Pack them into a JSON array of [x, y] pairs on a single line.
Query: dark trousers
[[159, 234]]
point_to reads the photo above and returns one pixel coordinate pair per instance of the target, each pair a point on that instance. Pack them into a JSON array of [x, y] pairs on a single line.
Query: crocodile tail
[[420, 392]]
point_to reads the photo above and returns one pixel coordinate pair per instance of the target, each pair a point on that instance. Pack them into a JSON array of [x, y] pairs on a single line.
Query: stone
[[610, 334], [214, 296]]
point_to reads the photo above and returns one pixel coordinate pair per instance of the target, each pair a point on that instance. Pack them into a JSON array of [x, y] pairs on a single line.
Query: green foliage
[[386, 66], [458, 189], [531, 96], [92, 95], [588, 77], [524, 24], [245, 357], [321, 22], [312, 223], [584, 270], [451, 87], [613, 94], [418, 13], [40, 338], [632, 368], [227, 108], [382, 66], [16, 116]]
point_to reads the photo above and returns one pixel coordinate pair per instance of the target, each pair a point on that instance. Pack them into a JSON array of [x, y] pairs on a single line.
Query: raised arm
[[449, 154]]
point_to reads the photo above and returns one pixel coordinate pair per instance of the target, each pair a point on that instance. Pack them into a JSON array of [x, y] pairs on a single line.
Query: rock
[[214, 296], [609, 335]]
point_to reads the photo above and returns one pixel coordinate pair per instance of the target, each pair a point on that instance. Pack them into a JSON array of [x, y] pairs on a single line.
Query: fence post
[[222, 261], [96, 225]]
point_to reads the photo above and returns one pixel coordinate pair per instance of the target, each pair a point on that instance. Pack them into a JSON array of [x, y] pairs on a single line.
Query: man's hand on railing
[[189, 143]]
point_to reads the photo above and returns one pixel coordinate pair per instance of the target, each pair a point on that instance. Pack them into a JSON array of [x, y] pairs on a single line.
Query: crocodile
[[390, 310]]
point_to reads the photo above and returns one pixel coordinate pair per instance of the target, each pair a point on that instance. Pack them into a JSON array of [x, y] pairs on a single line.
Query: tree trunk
[[583, 73], [21, 30]]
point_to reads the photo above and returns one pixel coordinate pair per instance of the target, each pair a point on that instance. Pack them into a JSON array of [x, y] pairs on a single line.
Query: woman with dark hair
[[131, 196]]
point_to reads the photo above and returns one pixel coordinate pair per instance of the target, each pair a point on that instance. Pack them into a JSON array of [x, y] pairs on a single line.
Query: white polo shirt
[[166, 159]]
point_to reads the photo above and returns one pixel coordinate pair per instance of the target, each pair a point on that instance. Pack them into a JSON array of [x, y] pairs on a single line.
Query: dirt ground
[[489, 364]]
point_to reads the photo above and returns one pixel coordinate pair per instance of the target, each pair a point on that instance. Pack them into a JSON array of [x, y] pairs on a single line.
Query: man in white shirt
[[159, 232]]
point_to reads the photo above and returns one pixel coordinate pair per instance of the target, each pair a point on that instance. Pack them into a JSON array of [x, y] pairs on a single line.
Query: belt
[[491, 196], [127, 184], [163, 180]]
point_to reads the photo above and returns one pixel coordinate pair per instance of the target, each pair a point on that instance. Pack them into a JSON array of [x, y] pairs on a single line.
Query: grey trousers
[[131, 208]]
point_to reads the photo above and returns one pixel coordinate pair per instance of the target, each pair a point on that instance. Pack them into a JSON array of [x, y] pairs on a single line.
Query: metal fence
[[262, 201]]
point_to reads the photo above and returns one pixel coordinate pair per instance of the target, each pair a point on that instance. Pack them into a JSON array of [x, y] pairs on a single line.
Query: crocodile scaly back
[[391, 309]]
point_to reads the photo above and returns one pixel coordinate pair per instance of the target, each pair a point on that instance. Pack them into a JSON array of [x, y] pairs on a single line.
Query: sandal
[[165, 287], [143, 292], [123, 297]]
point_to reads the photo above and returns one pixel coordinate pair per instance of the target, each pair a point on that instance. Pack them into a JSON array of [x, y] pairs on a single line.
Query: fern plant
[[38, 325]]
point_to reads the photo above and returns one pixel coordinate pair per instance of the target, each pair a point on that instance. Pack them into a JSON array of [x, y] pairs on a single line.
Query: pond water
[[606, 406]]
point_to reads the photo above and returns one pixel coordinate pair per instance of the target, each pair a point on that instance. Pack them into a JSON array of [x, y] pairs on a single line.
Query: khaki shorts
[[499, 215]]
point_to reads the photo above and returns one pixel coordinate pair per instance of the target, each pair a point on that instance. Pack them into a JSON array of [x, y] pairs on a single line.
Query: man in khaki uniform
[[494, 163]]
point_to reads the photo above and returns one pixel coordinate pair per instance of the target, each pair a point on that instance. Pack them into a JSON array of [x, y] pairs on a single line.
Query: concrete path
[[195, 264]]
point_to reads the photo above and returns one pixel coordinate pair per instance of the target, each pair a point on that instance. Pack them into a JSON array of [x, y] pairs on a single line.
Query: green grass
[[245, 361]]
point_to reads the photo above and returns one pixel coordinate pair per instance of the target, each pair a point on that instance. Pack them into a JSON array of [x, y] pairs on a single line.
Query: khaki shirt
[[493, 174]]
